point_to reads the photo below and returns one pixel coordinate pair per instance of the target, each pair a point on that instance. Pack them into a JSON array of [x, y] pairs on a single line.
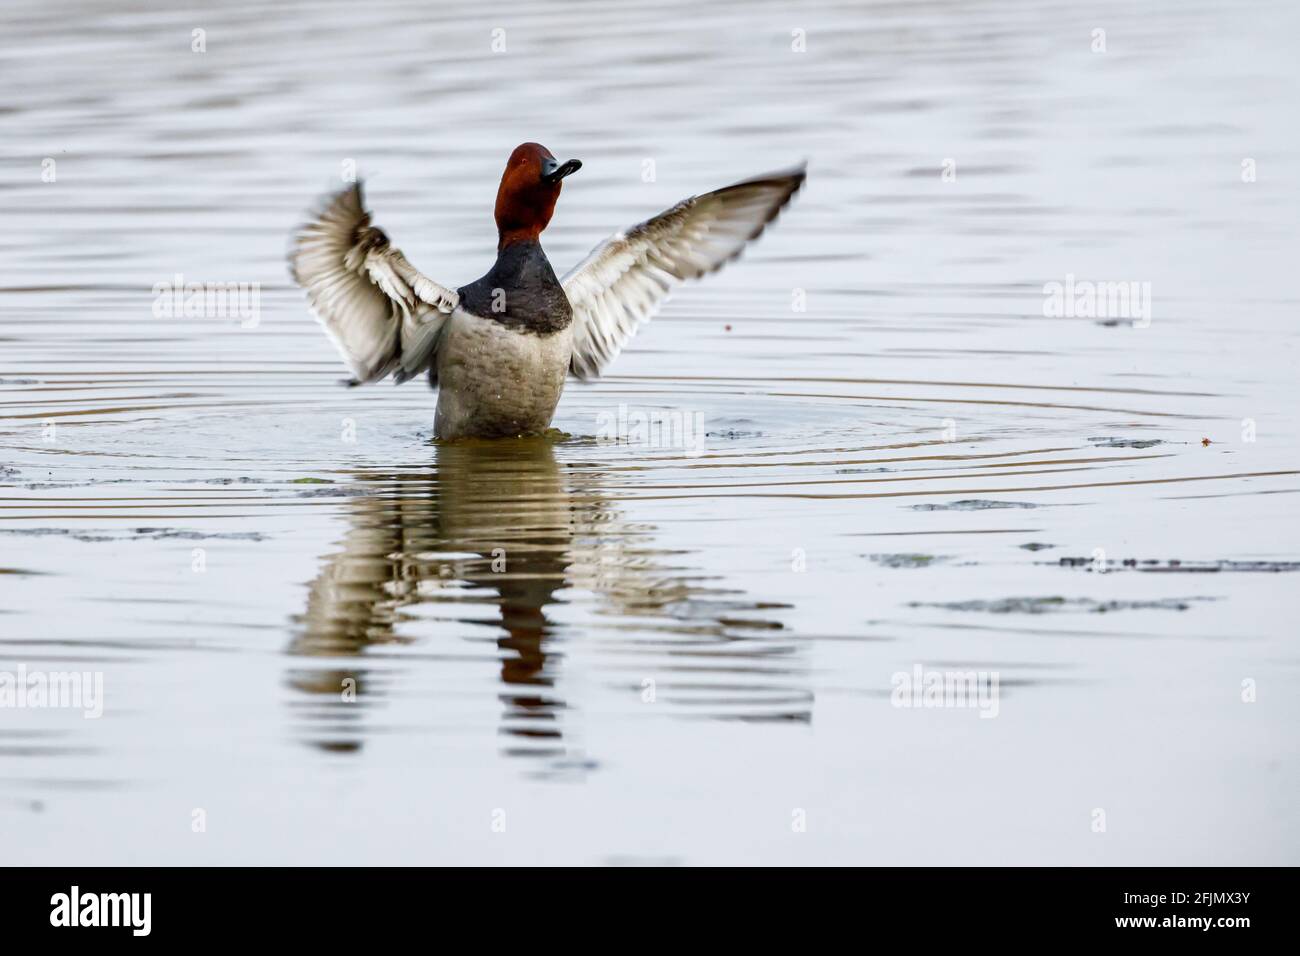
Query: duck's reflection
[[496, 525]]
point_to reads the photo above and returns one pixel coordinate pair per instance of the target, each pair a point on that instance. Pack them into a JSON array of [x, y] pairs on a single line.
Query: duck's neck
[[529, 235], [521, 262], [520, 290]]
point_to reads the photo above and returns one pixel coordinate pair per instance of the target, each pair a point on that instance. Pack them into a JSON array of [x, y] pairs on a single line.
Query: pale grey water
[[521, 697]]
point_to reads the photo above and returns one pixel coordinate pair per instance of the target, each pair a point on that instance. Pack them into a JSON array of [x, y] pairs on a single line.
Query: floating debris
[[904, 560], [1175, 566], [60, 532], [1045, 605], [136, 534], [1126, 442], [346, 491], [973, 504], [157, 534], [52, 485]]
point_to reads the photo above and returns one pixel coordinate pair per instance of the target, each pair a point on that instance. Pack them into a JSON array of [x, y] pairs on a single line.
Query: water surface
[[344, 643]]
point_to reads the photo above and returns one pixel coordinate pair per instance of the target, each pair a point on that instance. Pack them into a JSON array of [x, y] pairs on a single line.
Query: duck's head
[[529, 188]]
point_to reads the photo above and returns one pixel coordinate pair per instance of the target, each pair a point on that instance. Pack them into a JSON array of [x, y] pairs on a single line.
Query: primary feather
[[382, 313], [624, 280]]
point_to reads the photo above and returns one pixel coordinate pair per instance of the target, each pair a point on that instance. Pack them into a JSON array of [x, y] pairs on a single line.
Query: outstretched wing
[[381, 312], [626, 278]]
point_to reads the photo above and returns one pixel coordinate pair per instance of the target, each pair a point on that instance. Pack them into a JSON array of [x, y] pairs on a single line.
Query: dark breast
[[520, 291]]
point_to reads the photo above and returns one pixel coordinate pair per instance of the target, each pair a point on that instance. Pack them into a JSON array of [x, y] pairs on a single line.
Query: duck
[[500, 350]]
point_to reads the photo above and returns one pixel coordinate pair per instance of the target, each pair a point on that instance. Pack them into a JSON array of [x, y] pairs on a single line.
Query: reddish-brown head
[[529, 188]]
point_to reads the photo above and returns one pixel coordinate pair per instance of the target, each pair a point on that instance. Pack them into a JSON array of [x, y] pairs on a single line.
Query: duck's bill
[[554, 171]]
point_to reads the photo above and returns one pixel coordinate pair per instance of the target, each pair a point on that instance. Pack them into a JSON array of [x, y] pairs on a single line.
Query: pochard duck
[[498, 350]]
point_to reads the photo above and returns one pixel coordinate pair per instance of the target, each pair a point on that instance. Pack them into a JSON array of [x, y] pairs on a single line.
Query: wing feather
[[623, 281], [382, 313]]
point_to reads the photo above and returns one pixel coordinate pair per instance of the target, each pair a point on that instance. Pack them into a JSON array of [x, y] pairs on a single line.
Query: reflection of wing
[[381, 312], [501, 525], [495, 519], [355, 599], [625, 279], [490, 525]]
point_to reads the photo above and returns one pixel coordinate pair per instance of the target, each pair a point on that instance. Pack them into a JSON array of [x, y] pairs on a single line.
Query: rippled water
[[330, 640]]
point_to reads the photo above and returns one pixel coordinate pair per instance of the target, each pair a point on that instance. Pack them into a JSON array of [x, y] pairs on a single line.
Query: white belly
[[495, 381]]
